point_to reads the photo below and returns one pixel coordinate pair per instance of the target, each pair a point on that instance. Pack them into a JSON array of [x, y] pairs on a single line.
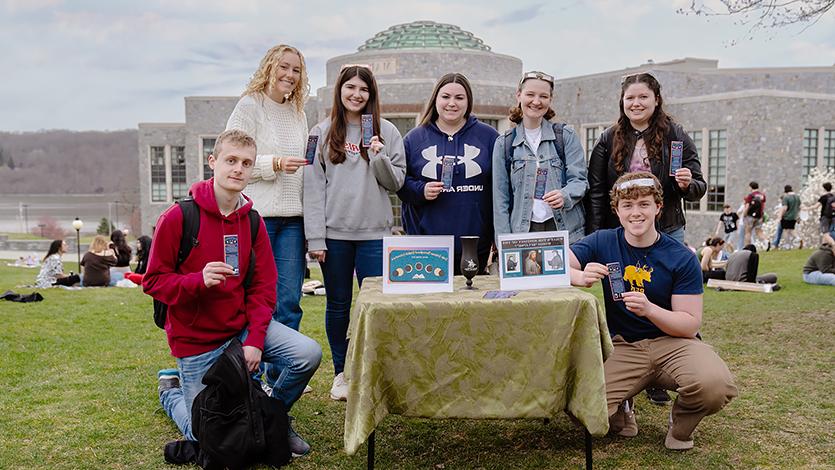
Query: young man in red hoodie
[[208, 305]]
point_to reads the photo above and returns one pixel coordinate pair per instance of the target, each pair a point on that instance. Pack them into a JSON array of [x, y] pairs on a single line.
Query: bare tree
[[765, 13]]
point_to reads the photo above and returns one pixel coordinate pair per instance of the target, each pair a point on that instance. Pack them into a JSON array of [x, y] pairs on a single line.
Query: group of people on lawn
[[336, 209]]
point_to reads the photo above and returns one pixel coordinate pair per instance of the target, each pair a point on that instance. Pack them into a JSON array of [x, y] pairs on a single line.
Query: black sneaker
[[658, 396], [298, 446]]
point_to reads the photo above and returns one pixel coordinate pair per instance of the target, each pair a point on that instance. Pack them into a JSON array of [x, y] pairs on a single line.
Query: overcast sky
[[111, 64]]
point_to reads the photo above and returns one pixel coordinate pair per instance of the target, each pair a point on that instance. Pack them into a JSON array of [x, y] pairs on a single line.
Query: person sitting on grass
[[820, 267], [712, 269], [52, 270], [97, 263], [143, 252], [655, 325], [208, 304]]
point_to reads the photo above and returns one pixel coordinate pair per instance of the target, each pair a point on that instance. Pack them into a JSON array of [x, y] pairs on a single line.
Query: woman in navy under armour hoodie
[[447, 129]]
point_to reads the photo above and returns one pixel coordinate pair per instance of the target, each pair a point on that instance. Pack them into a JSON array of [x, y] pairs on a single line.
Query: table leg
[[589, 461], [371, 450]]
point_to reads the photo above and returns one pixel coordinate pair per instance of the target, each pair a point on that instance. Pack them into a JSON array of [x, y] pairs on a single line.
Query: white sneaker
[[307, 389], [339, 390]]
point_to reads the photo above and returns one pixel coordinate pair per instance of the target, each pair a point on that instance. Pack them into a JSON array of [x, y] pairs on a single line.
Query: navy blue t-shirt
[[660, 271]]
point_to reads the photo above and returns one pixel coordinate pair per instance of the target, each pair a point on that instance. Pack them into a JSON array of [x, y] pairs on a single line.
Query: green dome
[[424, 34]]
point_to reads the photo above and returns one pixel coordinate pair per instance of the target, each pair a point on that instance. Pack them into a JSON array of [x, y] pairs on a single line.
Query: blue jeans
[[776, 242], [287, 240], [817, 277], [296, 355], [677, 235], [343, 256]]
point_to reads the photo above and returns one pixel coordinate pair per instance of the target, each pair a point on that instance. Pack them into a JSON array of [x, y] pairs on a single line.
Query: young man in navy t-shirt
[[655, 325]]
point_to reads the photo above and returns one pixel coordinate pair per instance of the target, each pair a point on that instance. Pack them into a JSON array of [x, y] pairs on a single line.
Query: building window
[[207, 147], [395, 209], [810, 150], [494, 123], [179, 185], [158, 190], [716, 161], [829, 149], [696, 137], [403, 124], [592, 134]]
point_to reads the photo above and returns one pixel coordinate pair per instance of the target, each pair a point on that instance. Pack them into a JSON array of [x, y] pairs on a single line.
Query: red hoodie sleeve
[[161, 281], [261, 296]]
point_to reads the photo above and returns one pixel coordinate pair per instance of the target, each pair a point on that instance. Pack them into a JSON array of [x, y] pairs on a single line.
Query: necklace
[[641, 261]]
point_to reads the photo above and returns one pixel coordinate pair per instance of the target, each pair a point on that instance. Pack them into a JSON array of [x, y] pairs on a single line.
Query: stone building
[[771, 125], [406, 59]]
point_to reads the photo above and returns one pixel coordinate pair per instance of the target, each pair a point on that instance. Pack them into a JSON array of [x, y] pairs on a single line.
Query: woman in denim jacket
[[529, 152]]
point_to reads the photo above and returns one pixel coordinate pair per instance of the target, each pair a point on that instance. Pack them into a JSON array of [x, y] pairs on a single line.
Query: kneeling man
[[654, 315], [208, 301]]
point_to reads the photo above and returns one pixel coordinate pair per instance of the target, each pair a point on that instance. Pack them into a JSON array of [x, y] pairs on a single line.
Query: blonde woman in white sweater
[[271, 110]]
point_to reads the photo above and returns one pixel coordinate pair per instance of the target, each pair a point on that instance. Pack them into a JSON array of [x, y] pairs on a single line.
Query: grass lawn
[[78, 375]]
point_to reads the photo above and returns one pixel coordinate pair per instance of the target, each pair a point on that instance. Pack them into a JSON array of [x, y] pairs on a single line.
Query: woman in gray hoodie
[[347, 210]]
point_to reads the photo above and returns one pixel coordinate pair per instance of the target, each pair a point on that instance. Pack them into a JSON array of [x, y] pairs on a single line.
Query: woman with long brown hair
[[641, 140], [347, 210], [448, 131]]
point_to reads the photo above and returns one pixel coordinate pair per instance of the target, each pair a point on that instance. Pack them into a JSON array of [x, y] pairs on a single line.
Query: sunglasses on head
[[538, 75]]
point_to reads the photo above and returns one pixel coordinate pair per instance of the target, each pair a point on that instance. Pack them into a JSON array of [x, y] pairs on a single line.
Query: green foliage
[[79, 391], [105, 227]]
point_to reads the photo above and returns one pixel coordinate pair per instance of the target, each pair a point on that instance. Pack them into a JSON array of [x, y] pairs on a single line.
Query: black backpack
[[191, 227], [755, 207], [829, 206]]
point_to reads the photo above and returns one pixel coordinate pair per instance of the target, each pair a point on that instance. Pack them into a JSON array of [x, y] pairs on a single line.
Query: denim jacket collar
[[547, 132]]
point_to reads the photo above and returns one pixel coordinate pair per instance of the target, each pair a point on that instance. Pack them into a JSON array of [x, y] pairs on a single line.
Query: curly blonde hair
[[264, 77]]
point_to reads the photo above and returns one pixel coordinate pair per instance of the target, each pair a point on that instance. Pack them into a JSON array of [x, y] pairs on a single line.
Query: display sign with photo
[[417, 264], [534, 260]]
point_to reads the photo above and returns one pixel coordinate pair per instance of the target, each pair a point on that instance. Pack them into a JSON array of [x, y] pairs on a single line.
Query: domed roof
[[424, 34]]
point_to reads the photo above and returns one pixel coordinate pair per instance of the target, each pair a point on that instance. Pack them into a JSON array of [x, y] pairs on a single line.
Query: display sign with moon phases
[[417, 264]]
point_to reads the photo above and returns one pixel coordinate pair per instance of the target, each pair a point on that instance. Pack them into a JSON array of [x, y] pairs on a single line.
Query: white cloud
[[125, 62]]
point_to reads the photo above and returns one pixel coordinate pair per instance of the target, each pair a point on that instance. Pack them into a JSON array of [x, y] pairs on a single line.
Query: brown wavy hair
[[335, 138], [623, 142], [264, 77], [430, 113], [635, 192], [515, 114]]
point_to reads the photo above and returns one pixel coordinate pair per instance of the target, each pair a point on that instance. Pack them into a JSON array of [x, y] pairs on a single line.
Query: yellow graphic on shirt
[[637, 275]]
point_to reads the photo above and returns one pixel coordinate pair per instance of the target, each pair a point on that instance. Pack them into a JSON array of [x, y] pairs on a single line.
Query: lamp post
[[77, 224]]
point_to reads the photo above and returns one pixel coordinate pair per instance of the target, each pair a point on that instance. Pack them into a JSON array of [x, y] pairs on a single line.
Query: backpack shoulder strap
[[509, 137], [559, 145], [191, 228], [254, 227]]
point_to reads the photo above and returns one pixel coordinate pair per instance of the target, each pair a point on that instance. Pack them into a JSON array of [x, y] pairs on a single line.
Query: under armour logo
[[471, 167]]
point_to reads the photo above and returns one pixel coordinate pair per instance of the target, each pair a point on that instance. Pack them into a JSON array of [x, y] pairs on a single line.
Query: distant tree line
[[67, 162]]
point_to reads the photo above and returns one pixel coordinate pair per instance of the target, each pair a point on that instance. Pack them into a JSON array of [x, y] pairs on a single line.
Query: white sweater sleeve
[[314, 199], [245, 117]]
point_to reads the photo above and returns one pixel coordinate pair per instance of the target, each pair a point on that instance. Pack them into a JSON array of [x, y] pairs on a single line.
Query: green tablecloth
[[458, 355]]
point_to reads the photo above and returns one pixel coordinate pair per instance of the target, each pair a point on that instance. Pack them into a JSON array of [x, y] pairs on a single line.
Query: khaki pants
[[685, 365]]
